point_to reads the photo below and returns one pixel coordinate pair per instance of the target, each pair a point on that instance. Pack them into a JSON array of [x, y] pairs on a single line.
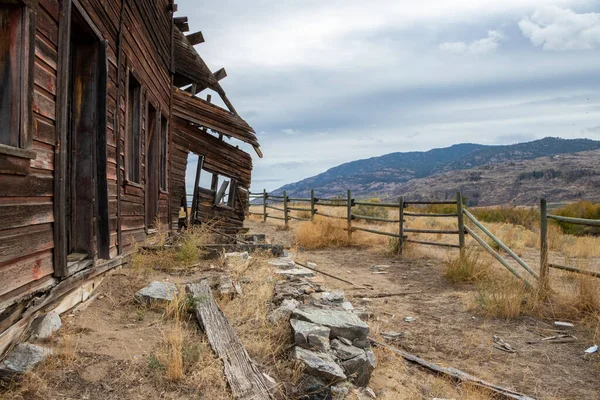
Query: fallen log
[[244, 378], [455, 374]]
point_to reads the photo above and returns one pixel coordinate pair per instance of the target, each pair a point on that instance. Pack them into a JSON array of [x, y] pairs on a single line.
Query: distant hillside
[[467, 167]]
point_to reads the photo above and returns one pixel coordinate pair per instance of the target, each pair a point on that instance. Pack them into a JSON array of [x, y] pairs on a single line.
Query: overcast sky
[[329, 81]]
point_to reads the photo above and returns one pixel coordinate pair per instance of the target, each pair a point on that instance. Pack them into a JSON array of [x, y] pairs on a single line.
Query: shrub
[[527, 217], [581, 209]]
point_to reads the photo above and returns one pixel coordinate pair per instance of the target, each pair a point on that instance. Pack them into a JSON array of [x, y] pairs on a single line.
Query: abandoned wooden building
[[99, 112]]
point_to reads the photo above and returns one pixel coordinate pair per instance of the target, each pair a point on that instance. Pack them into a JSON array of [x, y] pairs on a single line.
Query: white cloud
[[486, 45], [560, 29], [290, 131]]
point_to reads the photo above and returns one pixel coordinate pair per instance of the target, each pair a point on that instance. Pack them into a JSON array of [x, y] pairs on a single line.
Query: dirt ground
[[449, 328], [107, 349]]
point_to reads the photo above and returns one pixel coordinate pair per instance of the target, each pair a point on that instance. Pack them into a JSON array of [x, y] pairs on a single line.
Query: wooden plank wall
[[26, 200], [219, 157], [147, 51], [26, 236]]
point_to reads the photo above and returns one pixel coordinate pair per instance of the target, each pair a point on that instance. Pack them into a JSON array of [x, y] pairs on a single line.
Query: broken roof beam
[[195, 38], [182, 23], [220, 74]]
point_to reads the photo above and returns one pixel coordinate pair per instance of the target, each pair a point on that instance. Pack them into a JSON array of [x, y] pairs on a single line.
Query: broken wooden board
[[455, 374], [245, 379]]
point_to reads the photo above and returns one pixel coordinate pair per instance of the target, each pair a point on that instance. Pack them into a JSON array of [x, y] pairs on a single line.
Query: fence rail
[[461, 213], [545, 264], [349, 203]]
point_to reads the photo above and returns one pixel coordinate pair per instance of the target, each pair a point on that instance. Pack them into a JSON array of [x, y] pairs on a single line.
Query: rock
[[296, 272], [46, 326], [320, 365], [360, 368], [340, 391], [341, 323], [303, 331], [255, 238], [284, 311], [393, 335], [335, 296], [237, 256], [225, 286], [313, 388], [319, 343], [345, 341], [361, 343], [369, 392], [379, 267], [23, 358], [346, 305], [157, 291], [345, 352], [283, 263]]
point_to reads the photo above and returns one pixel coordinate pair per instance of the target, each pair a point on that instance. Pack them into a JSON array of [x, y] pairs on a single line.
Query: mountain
[[416, 174]]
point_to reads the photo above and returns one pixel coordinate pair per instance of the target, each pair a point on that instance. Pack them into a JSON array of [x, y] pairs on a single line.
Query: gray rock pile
[[331, 339]]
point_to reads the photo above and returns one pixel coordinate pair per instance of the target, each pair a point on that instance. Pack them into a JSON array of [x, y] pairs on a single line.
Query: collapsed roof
[[192, 73]]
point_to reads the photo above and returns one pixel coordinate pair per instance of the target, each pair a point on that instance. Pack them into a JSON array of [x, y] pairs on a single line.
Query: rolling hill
[[559, 169]]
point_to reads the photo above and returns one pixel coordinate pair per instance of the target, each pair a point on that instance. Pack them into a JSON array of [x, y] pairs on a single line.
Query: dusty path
[[449, 328]]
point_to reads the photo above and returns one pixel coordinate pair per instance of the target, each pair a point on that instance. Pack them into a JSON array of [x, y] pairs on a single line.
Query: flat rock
[[157, 291], [360, 368], [345, 352], [303, 331], [283, 263], [23, 358], [47, 325], [341, 323], [237, 255], [284, 311], [255, 238], [320, 365], [393, 335], [296, 272]]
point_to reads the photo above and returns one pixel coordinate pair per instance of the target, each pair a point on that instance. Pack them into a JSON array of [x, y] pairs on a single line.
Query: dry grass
[[321, 233], [468, 267], [397, 380], [503, 297]]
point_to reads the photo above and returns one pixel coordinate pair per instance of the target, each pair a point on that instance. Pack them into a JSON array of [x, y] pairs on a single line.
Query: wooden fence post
[[285, 208], [544, 266], [461, 223], [401, 230], [265, 195], [312, 204], [349, 215]]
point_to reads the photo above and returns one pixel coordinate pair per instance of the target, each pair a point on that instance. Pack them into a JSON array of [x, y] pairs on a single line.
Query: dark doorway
[[153, 166], [86, 185]]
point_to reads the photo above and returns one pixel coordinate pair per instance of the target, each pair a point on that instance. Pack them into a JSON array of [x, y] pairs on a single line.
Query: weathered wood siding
[[26, 235], [26, 186]]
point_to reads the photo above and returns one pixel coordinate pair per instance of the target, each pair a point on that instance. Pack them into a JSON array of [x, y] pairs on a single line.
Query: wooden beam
[[245, 379], [60, 153], [195, 38], [220, 74], [180, 20]]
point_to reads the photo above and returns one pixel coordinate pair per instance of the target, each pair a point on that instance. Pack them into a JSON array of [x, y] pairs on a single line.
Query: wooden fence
[[545, 264], [269, 201]]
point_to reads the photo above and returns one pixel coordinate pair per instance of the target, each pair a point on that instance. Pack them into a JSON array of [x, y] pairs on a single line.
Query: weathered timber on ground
[[245, 379]]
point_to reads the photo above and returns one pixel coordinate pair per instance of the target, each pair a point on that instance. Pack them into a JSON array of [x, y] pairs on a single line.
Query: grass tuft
[[468, 267], [321, 233]]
